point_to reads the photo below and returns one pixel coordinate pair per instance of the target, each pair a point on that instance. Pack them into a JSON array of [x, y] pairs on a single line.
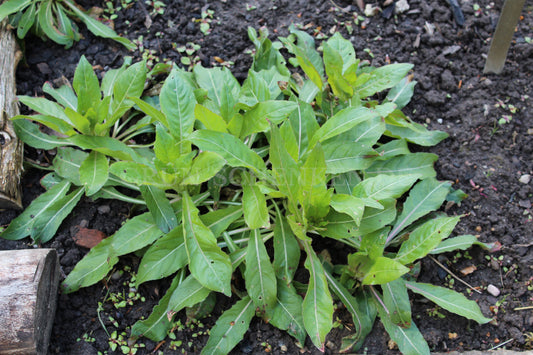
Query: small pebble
[[439, 120], [104, 209], [493, 290], [283, 348], [525, 179]]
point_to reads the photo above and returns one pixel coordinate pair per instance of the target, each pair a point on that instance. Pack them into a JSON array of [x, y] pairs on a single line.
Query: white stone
[[525, 179], [401, 6], [371, 10], [493, 290]]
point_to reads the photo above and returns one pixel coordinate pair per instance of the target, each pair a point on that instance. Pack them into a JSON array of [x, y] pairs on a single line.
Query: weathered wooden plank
[[11, 149], [28, 298]]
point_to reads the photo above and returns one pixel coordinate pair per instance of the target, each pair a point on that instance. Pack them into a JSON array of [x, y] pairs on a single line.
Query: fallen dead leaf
[[468, 270], [88, 238]]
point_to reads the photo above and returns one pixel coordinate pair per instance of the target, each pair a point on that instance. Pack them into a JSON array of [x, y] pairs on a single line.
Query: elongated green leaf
[[393, 149], [287, 313], [177, 103], [426, 196], [160, 208], [86, 85], [286, 250], [361, 320], [317, 304], [312, 192], [384, 270], [48, 23], [403, 91], [352, 206], [414, 163], [383, 78], [92, 268], [304, 125], [254, 204], [45, 107], [138, 174], [166, 147], [425, 238], [157, 325], [210, 119], [219, 220], [461, 242], [385, 186], [222, 88], [30, 134], [254, 90], [333, 62], [166, 256], [94, 172], [284, 168], [11, 6], [204, 167], [230, 328], [98, 28], [49, 221], [21, 226], [342, 156], [449, 300], [188, 293], [64, 95], [236, 153], [135, 234], [396, 299], [129, 83], [259, 276], [207, 262], [400, 126], [106, 145]]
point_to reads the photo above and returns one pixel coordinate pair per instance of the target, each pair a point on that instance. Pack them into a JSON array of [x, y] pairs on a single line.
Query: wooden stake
[[28, 296], [11, 149]]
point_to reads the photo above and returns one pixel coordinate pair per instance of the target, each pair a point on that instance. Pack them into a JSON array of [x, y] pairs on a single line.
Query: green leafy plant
[[280, 162], [52, 19]]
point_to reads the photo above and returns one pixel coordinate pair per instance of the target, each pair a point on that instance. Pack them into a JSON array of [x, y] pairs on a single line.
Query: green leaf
[[204, 167], [461, 242], [138, 174], [160, 208], [149, 110], [49, 221], [177, 103], [400, 126], [254, 90], [397, 301], [257, 119], [236, 153], [419, 163], [286, 250], [92, 268], [26, 21], [166, 256], [207, 262], [222, 88], [352, 206], [11, 6], [135, 234], [425, 238], [129, 83], [157, 325], [317, 304], [312, 192], [254, 204], [188, 293], [403, 91], [342, 157], [426, 196], [47, 23], [304, 125], [94, 172], [361, 320], [449, 300], [284, 169], [333, 62], [98, 28], [30, 134], [376, 218], [342, 121], [86, 85], [106, 145], [259, 276], [219, 220], [384, 270], [385, 186], [230, 328], [383, 78], [210, 119], [47, 108], [22, 225], [287, 313]]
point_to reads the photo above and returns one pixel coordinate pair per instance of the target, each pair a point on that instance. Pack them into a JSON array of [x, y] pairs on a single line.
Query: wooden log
[[11, 149], [28, 298]]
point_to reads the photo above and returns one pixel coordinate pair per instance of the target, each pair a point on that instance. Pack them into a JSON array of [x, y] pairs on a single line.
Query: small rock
[[283, 348], [371, 10], [88, 238], [44, 68], [525, 179], [493, 290], [104, 209], [401, 6]]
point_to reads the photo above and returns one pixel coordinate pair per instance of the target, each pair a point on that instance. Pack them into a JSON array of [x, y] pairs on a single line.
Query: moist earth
[[487, 159]]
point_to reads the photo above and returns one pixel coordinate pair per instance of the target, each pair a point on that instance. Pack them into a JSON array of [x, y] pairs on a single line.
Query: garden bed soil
[[488, 161]]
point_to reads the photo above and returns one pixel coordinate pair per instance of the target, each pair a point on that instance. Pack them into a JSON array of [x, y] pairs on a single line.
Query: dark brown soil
[[483, 158]]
